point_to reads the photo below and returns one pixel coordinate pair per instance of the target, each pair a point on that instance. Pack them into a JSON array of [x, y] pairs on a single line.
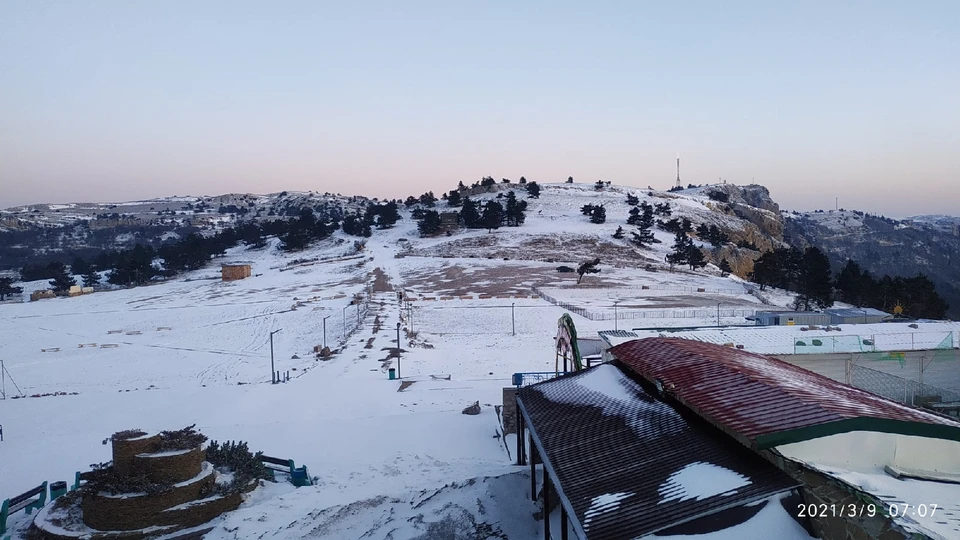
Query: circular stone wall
[[170, 467], [136, 511], [126, 450]]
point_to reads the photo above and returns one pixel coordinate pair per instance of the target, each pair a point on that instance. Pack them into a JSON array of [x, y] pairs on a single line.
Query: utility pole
[[718, 314], [325, 331], [273, 372], [616, 318], [343, 313], [513, 319], [3, 378], [398, 350]]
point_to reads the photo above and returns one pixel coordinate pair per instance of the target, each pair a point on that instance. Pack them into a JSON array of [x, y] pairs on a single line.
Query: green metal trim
[[882, 425]]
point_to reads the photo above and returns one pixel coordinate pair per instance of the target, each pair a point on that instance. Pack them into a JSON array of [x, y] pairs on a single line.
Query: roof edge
[[863, 423]]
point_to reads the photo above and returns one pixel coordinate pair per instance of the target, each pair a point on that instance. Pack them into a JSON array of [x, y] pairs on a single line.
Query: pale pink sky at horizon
[[113, 101]]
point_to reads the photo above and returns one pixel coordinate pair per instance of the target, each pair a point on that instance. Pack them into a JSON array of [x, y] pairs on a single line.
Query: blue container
[[517, 379], [57, 489], [392, 373]]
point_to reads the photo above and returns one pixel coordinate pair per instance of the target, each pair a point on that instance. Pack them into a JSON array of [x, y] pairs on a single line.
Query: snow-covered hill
[[197, 350]]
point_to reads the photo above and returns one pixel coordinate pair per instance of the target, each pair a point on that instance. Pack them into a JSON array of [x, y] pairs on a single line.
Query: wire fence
[[900, 389], [876, 343], [477, 320], [656, 287], [622, 314]]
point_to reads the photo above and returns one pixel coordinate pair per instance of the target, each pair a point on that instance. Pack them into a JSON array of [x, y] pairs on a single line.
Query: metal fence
[[877, 343], [899, 389], [476, 320], [657, 287], [622, 314]]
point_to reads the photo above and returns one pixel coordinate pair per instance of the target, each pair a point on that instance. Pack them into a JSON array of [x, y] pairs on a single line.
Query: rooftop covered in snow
[[766, 402], [627, 464]]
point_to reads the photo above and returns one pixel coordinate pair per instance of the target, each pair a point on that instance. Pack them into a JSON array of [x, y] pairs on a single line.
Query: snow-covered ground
[[197, 351]]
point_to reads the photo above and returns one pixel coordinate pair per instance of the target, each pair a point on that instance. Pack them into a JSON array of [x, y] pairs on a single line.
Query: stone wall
[[124, 513], [200, 512], [126, 450], [170, 469]]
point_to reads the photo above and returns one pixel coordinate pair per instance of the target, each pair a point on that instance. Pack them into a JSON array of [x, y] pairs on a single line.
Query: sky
[[820, 101]]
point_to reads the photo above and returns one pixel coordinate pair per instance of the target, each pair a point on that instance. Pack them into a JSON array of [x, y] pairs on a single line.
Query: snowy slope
[[197, 350]]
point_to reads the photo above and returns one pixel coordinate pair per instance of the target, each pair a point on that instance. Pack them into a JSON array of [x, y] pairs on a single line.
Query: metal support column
[[533, 474], [564, 531], [521, 446], [546, 505]]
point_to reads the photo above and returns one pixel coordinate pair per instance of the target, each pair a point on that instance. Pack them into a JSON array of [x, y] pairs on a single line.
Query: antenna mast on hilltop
[[678, 170]]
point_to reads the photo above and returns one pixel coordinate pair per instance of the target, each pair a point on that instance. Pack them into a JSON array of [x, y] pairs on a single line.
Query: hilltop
[[554, 231]]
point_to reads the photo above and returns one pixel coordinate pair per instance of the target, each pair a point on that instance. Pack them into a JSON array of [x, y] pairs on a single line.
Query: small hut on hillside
[[232, 272]]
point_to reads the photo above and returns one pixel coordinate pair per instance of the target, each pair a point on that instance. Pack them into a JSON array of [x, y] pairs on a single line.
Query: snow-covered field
[[197, 351]]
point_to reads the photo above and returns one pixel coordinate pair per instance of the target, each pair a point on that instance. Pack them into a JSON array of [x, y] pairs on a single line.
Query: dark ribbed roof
[[627, 464], [765, 401]]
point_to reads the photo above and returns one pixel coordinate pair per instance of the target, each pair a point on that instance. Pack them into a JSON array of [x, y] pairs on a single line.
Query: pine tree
[[703, 232], [632, 200], [7, 288], [428, 200], [586, 209], [533, 190], [663, 209], [589, 267], [599, 185], [388, 215], [725, 268], [634, 218], [454, 199], [430, 224], [646, 217], [410, 201], [470, 214], [569, 179], [493, 215], [619, 233], [850, 282], [515, 210], [717, 237], [91, 278], [695, 257], [814, 282], [681, 250], [598, 215], [62, 281], [523, 180], [643, 238]]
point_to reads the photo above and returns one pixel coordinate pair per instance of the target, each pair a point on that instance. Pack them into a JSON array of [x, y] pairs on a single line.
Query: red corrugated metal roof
[[767, 401]]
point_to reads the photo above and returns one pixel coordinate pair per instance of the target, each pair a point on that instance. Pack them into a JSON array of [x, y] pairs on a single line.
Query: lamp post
[[398, 350], [273, 372], [513, 318], [718, 314], [616, 318], [325, 331]]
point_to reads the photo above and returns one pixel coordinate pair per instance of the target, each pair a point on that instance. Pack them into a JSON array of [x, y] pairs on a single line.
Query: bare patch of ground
[[380, 281], [571, 249]]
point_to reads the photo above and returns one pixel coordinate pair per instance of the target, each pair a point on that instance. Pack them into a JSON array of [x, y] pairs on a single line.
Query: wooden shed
[[41, 294], [231, 272]]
